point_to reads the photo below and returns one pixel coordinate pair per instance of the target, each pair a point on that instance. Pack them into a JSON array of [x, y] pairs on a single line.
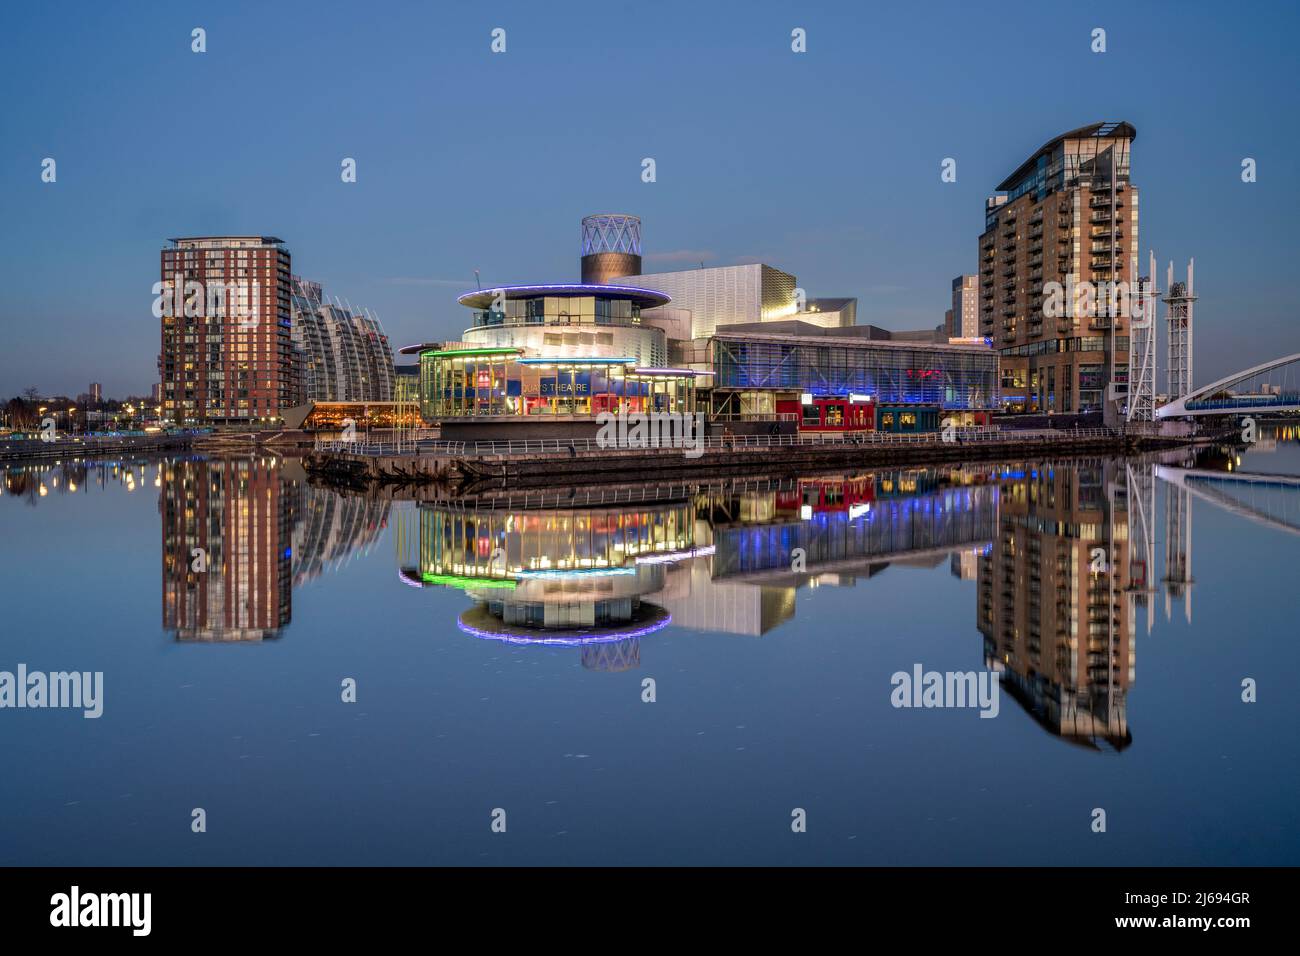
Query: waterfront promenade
[[522, 461], [81, 446]]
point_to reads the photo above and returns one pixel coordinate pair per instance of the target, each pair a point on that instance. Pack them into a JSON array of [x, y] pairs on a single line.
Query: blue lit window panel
[[951, 378]]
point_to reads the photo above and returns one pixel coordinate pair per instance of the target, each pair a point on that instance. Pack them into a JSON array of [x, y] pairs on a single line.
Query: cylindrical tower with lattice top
[[611, 247]]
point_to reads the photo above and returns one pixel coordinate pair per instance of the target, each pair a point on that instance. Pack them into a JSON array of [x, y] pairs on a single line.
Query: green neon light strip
[[456, 581]]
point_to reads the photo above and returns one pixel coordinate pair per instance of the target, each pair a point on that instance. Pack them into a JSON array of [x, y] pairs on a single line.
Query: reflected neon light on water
[[567, 640], [703, 552], [458, 581], [575, 573]]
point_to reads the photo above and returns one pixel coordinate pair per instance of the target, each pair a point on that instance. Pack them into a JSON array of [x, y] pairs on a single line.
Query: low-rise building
[[836, 382]]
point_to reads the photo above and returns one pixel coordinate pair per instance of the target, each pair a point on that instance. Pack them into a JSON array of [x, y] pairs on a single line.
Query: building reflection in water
[[1056, 622], [552, 576], [262, 531], [719, 557], [727, 558], [1072, 575], [33, 481], [1062, 556]]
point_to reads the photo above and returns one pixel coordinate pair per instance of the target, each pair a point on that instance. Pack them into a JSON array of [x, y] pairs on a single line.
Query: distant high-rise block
[[965, 322], [1062, 229], [226, 355], [96, 392]]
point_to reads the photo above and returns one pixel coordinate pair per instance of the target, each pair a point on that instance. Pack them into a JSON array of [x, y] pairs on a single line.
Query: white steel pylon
[[1178, 549], [1141, 499], [1178, 316]]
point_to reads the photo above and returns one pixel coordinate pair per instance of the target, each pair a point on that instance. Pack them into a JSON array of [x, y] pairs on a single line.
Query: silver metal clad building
[[725, 295]]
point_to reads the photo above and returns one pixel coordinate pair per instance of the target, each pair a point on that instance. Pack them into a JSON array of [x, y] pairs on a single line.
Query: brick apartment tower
[[236, 365], [1068, 212]]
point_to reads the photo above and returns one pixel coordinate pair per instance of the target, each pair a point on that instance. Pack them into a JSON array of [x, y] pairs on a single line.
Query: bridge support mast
[[1178, 316], [1142, 346], [1178, 549], [1141, 498]]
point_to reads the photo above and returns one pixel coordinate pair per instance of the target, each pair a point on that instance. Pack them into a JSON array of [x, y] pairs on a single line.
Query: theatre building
[[543, 361]]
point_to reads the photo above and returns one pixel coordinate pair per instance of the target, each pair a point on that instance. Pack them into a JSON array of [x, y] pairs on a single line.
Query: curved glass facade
[[573, 349], [471, 383], [562, 310], [646, 344]]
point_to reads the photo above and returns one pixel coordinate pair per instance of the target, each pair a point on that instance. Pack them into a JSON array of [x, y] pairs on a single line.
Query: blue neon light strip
[[575, 573]]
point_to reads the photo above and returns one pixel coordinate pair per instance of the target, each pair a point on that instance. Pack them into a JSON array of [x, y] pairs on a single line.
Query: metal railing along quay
[[725, 417], [92, 444], [532, 499], [542, 446]]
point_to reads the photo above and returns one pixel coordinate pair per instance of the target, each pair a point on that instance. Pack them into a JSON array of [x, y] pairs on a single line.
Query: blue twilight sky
[[825, 164]]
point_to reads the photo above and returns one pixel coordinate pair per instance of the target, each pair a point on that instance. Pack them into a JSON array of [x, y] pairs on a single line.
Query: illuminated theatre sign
[[579, 384]]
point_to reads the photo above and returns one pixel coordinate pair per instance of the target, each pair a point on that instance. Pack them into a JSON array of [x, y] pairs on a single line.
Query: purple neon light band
[[576, 640], [572, 286]]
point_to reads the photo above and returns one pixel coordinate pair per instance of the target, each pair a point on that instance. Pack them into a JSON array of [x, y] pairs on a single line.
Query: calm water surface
[[499, 655]]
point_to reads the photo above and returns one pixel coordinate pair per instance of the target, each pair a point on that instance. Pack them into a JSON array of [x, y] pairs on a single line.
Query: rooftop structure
[[726, 295], [611, 247]]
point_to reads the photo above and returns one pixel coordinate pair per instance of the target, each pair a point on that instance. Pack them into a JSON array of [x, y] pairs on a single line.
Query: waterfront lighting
[[569, 639], [576, 572]]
